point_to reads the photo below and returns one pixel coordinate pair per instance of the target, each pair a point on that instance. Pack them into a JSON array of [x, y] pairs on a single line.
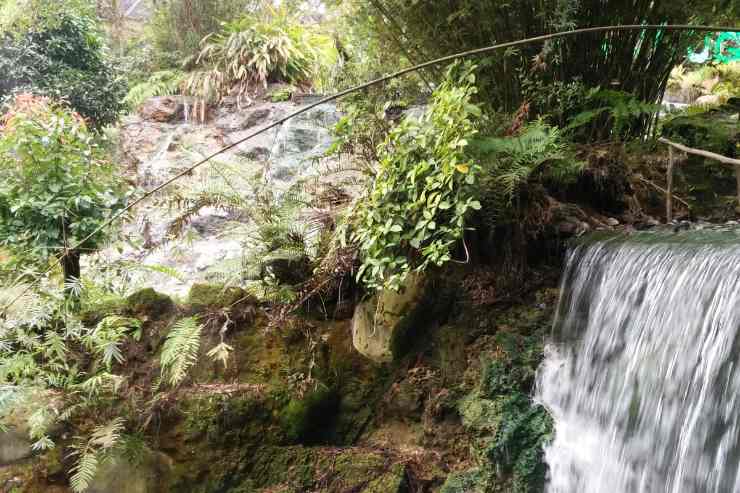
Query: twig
[[661, 189]]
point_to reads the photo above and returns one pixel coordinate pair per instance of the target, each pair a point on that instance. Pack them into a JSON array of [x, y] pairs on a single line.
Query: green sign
[[723, 48]]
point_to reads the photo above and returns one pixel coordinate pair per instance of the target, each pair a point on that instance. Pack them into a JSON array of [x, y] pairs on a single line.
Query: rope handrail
[[360, 87]]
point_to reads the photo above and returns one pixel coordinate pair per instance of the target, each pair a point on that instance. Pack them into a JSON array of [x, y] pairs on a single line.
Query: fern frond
[[107, 436], [83, 472], [180, 350], [221, 352], [162, 83], [538, 151]]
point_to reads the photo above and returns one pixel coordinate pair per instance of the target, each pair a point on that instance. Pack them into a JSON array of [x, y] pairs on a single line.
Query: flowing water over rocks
[[642, 374]]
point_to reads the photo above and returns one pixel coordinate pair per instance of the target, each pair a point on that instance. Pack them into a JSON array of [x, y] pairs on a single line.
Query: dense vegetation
[[450, 179]]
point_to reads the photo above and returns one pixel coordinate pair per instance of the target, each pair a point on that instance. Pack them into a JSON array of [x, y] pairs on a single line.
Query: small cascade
[[158, 168], [641, 375]]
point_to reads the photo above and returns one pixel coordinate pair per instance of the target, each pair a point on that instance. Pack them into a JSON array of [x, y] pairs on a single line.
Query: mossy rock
[[306, 420], [474, 480], [42, 473], [149, 474], [517, 449], [150, 304], [212, 296], [92, 314], [299, 469], [223, 420]]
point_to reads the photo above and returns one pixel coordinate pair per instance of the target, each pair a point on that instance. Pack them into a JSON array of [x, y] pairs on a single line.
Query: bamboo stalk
[[669, 188], [737, 180]]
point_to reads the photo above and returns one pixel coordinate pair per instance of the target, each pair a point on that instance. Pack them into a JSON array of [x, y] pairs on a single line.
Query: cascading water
[[641, 376]]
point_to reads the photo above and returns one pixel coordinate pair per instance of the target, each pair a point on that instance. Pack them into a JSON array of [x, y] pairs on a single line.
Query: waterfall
[[641, 373]]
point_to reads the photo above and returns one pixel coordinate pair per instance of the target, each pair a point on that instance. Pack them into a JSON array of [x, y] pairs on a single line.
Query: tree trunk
[[71, 268]]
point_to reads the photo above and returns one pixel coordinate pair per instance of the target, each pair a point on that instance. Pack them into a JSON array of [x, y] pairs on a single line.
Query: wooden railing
[[697, 152]]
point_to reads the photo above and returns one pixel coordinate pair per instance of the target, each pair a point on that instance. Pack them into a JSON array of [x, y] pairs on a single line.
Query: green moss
[[517, 446], [204, 296], [301, 469], [281, 94], [150, 303], [515, 365], [223, 420], [306, 420], [508, 430], [92, 313], [474, 480]]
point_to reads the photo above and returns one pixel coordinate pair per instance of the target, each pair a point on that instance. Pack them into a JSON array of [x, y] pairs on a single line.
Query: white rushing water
[[641, 375]]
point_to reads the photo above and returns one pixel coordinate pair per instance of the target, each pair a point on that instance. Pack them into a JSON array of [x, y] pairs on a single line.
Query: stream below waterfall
[[641, 373]]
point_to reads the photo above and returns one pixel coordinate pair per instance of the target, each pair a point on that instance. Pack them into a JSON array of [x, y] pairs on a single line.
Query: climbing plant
[[415, 210]]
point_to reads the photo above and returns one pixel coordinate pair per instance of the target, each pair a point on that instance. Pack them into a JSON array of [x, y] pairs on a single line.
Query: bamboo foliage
[[248, 54], [634, 62]]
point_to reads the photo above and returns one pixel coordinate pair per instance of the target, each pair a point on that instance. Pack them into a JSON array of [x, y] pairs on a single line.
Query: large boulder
[[118, 475], [14, 446], [162, 109], [15, 438], [380, 322], [227, 121]]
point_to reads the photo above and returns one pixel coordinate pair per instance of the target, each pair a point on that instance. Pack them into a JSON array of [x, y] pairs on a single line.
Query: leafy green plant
[[91, 452], [161, 83], [178, 26], [539, 152], [620, 114], [106, 338], [180, 350], [64, 59], [416, 209], [248, 53], [56, 187]]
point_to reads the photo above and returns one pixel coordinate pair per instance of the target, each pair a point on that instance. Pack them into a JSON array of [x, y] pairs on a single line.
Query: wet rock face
[[14, 446], [121, 476], [163, 140], [162, 109]]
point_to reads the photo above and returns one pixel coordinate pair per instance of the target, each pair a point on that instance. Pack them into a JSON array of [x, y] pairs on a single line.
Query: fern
[[162, 83], [623, 110], [97, 448], [538, 152], [106, 437], [221, 352], [83, 472], [106, 339], [180, 350]]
